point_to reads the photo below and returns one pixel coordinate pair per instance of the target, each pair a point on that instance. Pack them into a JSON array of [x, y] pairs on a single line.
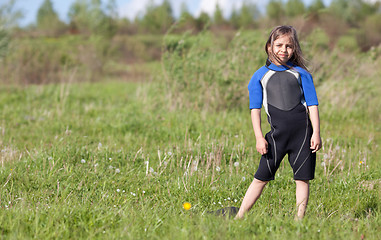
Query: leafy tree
[[185, 14], [186, 20], [234, 18], [218, 18], [112, 9], [244, 17], [316, 6], [249, 12], [9, 15], [47, 18], [202, 21], [8, 20], [352, 11], [275, 10], [89, 17], [295, 8], [157, 19]]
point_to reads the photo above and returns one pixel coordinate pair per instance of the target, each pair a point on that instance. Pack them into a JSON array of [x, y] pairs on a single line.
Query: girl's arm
[[261, 143], [316, 143]]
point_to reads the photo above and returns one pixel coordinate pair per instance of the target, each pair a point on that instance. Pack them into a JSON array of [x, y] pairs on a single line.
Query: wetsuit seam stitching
[[302, 164], [304, 141], [272, 136]]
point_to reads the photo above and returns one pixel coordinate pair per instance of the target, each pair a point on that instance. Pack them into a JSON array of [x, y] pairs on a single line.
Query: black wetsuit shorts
[[290, 134]]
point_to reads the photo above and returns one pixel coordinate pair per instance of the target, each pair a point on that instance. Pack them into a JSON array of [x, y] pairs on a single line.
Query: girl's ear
[[269, 50]]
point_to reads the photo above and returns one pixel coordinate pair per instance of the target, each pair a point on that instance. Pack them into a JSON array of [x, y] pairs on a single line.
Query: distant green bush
[[4, 42], [138, 48], [47, 60], [318, 39], [348, 42], [201, 74]]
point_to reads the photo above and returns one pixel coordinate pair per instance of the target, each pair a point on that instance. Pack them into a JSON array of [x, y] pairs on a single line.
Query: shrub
[[348, 43], [370, 35], [318, 39], [47, 60], [202, 75]]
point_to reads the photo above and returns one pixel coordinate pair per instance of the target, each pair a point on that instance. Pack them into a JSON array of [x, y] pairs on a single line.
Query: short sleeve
[[308, 88], [255, 91]]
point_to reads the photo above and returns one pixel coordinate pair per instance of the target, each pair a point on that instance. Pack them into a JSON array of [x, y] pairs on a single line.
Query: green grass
[[115, 161]]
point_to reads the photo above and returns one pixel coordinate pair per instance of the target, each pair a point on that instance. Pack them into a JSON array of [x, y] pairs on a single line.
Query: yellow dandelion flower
[[187, 206]]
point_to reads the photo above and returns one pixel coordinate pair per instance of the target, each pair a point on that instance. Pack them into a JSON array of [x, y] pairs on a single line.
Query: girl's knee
[[303, 182], [260, 181]]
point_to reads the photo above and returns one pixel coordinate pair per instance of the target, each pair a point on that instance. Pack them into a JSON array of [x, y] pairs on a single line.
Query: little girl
[[286, 90]]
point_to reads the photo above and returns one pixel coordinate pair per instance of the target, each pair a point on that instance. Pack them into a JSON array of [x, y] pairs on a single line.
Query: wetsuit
[[285, 94]]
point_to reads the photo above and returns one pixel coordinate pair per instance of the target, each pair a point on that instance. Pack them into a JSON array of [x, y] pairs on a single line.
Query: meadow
[[116, 159]]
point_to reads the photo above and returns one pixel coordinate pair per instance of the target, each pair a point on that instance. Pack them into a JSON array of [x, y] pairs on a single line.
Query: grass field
[[116, 160], [110, 161]]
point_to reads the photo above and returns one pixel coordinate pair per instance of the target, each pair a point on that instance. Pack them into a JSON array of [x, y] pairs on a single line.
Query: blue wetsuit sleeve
[[309, 89], [255, 92]]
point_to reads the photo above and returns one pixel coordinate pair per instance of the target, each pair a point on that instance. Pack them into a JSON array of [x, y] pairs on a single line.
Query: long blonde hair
[[297, 57]]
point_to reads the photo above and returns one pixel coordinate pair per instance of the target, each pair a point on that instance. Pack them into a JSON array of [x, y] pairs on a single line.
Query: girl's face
[[282, 49]]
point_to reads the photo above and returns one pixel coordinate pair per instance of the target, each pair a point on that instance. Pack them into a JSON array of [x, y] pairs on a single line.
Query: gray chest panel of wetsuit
[[283, 91]]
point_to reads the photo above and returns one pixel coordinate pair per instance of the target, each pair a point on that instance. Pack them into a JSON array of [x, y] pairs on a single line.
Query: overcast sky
[[131, 8]]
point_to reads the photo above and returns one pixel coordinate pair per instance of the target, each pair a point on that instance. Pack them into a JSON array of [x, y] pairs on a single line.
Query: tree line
[[89, 17], [94, 17]]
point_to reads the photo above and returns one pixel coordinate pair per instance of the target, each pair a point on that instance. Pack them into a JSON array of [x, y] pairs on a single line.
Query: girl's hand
[[315, 142], [262, 146]]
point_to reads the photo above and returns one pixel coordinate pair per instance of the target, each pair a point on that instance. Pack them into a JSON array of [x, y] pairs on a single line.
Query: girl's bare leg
[[302, 195], [252, 194]]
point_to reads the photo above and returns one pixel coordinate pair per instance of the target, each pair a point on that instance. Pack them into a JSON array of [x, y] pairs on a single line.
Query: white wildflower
[[218, 169], [243, 178], [83, 161], [236, 164], [118, 190], [117, 170]]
